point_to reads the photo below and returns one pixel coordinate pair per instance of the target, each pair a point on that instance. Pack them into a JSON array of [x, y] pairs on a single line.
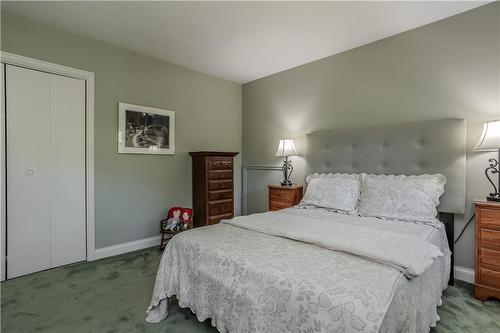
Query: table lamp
[[286, 148], [490, 141]]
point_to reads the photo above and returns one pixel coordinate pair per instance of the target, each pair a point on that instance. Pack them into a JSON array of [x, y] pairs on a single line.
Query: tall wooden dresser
[[213, 187], [487, 250]]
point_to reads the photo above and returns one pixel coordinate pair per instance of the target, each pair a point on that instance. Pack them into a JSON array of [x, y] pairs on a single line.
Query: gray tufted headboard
[[415, 148]]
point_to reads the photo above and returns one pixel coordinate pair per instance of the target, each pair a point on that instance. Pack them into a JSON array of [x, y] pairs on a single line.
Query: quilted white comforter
[[299, 270]]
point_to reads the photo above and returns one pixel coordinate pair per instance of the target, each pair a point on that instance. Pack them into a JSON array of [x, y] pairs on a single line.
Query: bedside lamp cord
[[461, 232]]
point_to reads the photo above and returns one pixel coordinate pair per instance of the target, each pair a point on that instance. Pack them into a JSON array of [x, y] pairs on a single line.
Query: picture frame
[[145, 130]]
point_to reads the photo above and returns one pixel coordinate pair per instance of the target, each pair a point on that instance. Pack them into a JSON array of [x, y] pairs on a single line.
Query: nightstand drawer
[[489, 257], [284, 196], [489, 277], [489, 238], [277, 205], [490, 218], [280, 195]]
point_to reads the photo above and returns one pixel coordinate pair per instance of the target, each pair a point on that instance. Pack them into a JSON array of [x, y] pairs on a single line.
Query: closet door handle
[[29, 173]]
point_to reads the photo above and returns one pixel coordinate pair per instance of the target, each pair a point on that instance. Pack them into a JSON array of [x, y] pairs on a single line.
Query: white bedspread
[[405, 251], [246, 279]]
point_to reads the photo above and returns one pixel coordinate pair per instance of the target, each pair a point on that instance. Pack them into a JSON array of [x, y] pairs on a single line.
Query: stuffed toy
[[173, 221], [178, 218], [186, 217]]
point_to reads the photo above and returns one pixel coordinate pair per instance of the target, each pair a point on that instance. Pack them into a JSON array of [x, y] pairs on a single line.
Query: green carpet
[[111, 295]]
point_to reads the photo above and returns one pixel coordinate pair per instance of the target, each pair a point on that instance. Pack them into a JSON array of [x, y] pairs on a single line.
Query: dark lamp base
[[497, 199], [289, 183]]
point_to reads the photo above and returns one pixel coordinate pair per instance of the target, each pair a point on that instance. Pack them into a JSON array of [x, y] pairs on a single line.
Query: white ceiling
[[238, 41]]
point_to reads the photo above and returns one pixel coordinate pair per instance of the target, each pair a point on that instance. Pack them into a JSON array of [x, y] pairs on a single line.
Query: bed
[[317, 269]]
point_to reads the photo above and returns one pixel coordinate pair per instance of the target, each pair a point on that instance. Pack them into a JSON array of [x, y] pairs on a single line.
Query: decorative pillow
[[411, 198], [333, 191]]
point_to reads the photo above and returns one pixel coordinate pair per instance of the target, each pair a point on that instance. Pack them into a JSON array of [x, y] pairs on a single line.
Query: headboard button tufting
[[411, 148]]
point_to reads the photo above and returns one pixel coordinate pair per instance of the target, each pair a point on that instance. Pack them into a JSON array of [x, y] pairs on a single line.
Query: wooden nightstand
[[284, 196], [487, 249]]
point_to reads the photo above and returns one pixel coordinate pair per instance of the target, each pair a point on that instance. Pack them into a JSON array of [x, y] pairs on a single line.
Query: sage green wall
[[133, 191], [448, 69]]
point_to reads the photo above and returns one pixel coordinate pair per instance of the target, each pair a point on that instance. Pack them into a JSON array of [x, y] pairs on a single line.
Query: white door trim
[[88, 77], [3, 215]]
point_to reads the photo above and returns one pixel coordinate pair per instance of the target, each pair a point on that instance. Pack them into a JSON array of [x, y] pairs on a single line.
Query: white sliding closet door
[[28, 173], [45, 170], [67, 170]]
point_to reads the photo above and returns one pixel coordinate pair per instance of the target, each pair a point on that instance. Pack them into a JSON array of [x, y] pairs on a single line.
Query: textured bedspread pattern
[[248, 281], [408, 253]]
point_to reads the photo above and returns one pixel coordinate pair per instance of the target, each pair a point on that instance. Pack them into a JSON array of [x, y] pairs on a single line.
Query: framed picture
[[145, 130]]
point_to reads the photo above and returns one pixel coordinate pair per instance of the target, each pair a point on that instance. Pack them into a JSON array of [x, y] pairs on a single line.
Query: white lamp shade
[[490, 139], [286, 148]]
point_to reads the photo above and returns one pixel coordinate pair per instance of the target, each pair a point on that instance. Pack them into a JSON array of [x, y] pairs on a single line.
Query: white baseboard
[[464, 274], [117, 249]]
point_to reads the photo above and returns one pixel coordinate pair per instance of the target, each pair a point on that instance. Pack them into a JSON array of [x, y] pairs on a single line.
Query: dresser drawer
[[489, 277], [280, 195], [218, 218], [489, 257], [489, 218], [226, 164], [489, 238], [214, 175], [220, 195], [213, 164], [220, 185], [220, 164], [220, 207], [277, 205]]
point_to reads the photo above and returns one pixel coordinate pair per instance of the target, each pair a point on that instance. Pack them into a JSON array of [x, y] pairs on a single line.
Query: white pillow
[[411, 198], [333, 191]]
